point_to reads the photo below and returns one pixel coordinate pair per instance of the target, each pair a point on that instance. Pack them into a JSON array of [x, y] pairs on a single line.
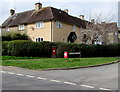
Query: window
[[39, 39], [21, 27], [7, 29], [116, 33], [59, 24], [39, 24], [74, 28]]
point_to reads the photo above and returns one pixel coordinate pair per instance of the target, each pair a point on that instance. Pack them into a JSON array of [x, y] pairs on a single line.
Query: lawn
[[48, 63]]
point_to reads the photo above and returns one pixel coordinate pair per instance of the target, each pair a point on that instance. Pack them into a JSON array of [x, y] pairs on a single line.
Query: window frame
[[39, 24], [21, 27], [74, 28], [59, 24], [7, 29], [38, 39]]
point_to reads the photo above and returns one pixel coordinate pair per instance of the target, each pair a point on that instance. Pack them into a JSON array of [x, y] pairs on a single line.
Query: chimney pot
[[12, 12], [66, 10], [82, 17], [38, 6], [92, 20]]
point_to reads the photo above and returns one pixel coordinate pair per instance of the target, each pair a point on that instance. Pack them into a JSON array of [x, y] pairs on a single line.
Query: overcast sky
[[89, 8]]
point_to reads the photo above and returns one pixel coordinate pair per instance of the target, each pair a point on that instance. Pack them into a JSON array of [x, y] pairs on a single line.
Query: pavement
[[95, 78]]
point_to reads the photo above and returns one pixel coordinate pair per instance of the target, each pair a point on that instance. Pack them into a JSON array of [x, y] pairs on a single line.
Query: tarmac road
[[95, 78]]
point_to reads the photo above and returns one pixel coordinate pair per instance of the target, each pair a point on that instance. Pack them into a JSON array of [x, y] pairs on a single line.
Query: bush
[[16, 36], [27, 48], [44, 49], [6, 38], [5, 48]]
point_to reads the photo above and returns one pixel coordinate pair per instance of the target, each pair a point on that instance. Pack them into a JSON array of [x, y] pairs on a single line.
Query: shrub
[[16, 36], [27, 48], [44, 49], [6, 38], [5, 48]]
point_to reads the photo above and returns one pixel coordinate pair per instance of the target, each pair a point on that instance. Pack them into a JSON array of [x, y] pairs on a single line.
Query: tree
[[98, 32]]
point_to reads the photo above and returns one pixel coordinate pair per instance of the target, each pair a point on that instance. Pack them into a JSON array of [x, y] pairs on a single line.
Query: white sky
[[89, 8]]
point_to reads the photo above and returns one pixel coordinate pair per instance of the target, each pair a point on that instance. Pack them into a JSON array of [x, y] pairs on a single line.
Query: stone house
[[54, 25], [44, 24], [100, 33]]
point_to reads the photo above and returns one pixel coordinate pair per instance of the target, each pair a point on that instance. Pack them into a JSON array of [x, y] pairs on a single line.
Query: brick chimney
[[81, 17], [38, 6], [12, 12]]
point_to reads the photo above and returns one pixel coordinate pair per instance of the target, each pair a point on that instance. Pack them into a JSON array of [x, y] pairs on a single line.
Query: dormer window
[[39, 24], [59, 24], [21, 27], [74, 28]]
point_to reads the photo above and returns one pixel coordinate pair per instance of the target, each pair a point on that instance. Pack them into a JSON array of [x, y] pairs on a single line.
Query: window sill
[[39, 27], [22, 30]]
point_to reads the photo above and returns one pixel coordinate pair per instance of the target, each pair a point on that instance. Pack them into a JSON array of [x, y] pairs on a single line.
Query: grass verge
[[48, 63]]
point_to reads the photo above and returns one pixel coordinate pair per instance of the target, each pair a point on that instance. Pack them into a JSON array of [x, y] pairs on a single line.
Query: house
[[44, 24], [100, 33], [51, 24]]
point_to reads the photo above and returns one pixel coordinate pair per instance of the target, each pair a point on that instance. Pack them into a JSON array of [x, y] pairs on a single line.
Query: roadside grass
[[16, 58], [48, 63]]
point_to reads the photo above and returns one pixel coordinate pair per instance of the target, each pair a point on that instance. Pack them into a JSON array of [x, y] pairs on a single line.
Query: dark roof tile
[[44, 14]]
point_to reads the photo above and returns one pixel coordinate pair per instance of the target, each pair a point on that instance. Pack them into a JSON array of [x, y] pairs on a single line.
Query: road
[[95, 78]]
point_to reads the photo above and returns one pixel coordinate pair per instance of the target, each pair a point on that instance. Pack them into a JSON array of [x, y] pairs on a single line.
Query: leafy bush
[[16, 36], [27, 48], [5, 48], [6, 38], [44, 49]]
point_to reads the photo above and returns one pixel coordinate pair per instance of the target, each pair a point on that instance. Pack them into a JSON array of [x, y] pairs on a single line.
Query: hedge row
[[16, 36], [44, 49]]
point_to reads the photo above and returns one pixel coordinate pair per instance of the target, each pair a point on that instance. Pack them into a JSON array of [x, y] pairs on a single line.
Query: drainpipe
[[51, 32]]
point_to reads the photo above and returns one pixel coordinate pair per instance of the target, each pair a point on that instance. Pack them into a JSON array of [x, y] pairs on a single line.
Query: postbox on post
[[54, 52], [65, 54]]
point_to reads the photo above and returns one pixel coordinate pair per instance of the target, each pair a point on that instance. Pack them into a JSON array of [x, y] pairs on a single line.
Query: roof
[[44, 14], [109, 26]]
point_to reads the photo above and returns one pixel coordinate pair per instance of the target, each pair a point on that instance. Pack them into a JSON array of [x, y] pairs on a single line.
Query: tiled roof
[[44, 14]]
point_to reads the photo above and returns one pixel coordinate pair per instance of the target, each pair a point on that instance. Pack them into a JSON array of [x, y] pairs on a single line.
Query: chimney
[[38, 6], [66, 10], [82, 17], [103, 22], [12, 12], [93, 21]]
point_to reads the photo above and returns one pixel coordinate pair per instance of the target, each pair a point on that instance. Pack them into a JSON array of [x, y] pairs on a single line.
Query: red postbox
[[53, 51], [65, 54]]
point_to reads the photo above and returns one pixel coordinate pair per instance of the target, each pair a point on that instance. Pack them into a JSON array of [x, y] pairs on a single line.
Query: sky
[[106, 10]]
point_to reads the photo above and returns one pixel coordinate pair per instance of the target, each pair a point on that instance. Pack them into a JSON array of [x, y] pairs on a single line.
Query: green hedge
[[16, 36], [44, 49], [26, 48]]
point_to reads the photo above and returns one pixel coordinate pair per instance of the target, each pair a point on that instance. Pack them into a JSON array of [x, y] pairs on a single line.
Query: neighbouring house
[[56, 25], [100, 33]]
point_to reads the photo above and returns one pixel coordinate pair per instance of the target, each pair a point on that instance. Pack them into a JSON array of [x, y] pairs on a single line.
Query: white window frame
[[59, 24], [116, 33], [39, 24], [74, 28], [21, 27], [36, 39]]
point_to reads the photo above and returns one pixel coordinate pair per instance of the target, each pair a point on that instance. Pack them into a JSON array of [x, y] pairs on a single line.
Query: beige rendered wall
[[61, 34], [44, 32]]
